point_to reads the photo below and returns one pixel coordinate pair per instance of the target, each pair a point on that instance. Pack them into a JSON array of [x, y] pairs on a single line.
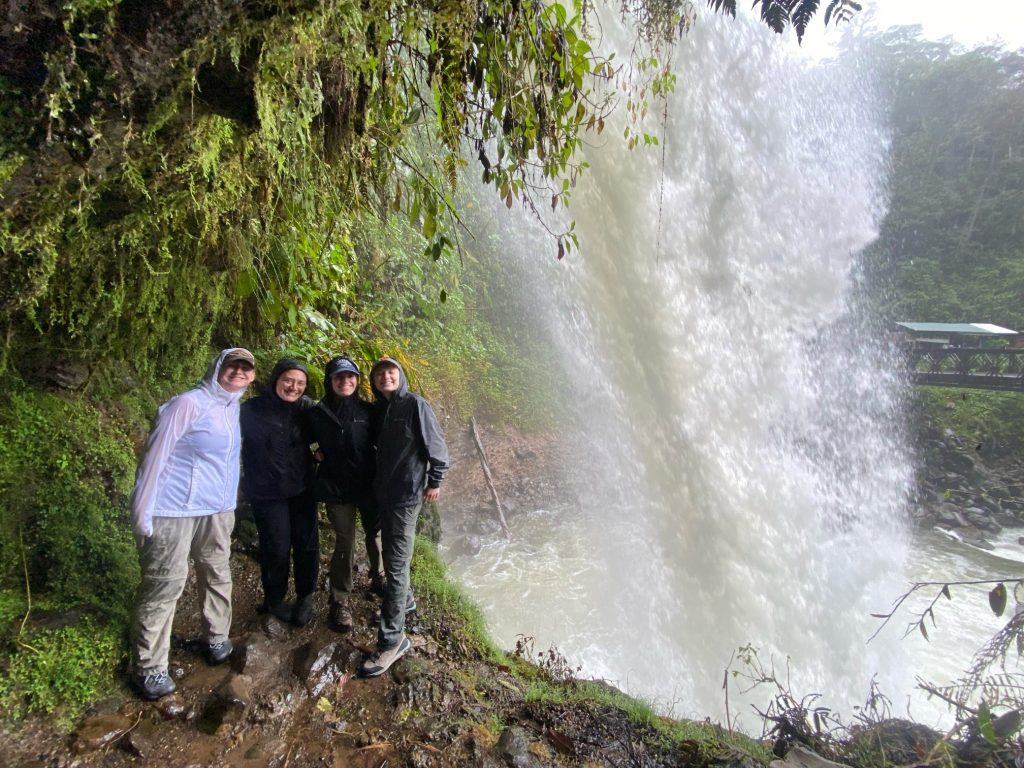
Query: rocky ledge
[[965, 491]]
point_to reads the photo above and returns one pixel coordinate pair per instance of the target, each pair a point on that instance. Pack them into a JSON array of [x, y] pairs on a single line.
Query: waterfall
[[739, 470]]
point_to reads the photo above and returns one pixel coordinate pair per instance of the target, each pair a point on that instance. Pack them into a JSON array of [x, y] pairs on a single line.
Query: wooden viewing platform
[[965, 355], [967, 367]]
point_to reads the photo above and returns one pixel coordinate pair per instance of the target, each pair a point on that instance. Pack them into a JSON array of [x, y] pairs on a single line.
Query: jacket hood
[[282, 367], [403, 383], [210, 383]]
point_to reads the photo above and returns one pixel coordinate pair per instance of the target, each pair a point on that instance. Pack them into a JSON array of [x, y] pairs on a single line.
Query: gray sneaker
[[220, 652], [154, 685], [381, 661]]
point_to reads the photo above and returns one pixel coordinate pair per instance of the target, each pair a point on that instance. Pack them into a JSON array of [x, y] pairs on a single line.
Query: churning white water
[[739, 468]]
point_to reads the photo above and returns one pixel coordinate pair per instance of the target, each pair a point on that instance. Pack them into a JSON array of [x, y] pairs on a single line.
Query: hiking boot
[[378, 584], [381, 661], [340, 616], [303, 613], [154, 685], [220, 652]]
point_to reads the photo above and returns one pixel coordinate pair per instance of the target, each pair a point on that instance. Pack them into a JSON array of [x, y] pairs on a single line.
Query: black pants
[[288, 531]]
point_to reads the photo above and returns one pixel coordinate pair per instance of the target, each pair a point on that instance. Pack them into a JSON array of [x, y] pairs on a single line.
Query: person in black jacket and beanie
[[411, 461], [340, 425], [277, 477]]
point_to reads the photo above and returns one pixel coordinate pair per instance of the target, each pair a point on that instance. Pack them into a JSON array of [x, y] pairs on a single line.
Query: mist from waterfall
[[738, 466]]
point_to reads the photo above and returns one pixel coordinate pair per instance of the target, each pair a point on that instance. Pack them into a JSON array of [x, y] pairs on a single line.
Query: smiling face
[[290, 385], [344, 384], [236, 376], [387, 379]]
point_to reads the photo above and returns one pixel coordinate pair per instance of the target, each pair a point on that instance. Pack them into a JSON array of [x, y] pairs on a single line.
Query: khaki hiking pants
[[164, 558]]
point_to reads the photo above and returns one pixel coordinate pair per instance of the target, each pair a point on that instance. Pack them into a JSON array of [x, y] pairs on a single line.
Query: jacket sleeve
[[433, 440], [172, 422]]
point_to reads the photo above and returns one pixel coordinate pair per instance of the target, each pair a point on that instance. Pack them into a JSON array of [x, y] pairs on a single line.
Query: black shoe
[[303, 613], [280, 611], [154, 685], [378, 584], [220, 652]]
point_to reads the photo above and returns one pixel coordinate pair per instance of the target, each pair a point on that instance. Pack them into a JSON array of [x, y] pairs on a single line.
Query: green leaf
[[997, 599], [429, 225], [985, 725], [246, 283]]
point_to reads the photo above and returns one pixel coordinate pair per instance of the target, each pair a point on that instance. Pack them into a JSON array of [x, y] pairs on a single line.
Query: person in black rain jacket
[[277, 478], [341, 426], [411, 461]]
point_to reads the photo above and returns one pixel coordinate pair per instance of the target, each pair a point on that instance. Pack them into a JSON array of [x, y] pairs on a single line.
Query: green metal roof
[[975, 329]]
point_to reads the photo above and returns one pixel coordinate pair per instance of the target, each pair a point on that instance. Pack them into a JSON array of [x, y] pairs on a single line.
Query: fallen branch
[[487, 476]]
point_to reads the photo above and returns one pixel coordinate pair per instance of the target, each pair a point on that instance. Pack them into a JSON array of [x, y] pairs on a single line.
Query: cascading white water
[[739, 468]]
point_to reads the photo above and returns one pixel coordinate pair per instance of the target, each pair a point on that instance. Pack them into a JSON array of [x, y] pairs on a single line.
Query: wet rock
[[318, 666], [801, 757], [514, 748], [982, 519], [254, 657], [417, 689], [237, 689], [273, 627], [734, 759], [135, 743], [173, 707], [99, 731], [975, 538], [228, 705], [177, 671], [267, 752], [64, 374], [948, 514], [897, 742]]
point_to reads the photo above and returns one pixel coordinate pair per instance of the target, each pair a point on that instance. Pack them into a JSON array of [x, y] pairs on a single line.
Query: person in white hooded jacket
[[183, 506]]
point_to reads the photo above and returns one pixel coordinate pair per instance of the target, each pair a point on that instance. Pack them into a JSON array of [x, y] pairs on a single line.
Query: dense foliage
[[951, 248]]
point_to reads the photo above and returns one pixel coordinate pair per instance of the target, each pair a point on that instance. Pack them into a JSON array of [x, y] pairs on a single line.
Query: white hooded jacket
[[190, 467]]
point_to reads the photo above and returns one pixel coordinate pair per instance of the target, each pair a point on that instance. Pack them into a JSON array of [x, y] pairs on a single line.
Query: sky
[[969, 22]]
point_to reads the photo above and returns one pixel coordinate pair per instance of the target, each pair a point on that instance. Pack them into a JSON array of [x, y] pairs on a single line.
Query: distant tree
[[951, 247]]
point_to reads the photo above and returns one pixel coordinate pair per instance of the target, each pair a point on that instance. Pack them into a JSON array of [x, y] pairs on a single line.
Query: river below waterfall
[[736, 467], [545, 583]]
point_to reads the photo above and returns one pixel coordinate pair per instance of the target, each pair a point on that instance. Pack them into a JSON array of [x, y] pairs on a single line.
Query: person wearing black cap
[[277, 478], [411, 461], [341, 424]]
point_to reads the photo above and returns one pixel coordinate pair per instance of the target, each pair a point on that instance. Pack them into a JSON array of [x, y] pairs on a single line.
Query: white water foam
[[741, 475]]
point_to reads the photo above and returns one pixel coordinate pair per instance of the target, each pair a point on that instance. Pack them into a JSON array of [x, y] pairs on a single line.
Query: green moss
[[65, 476], [61, 670], [460, 614], [982, 418]]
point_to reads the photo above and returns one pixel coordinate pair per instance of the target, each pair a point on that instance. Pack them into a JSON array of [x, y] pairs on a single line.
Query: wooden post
[[487, 476]]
